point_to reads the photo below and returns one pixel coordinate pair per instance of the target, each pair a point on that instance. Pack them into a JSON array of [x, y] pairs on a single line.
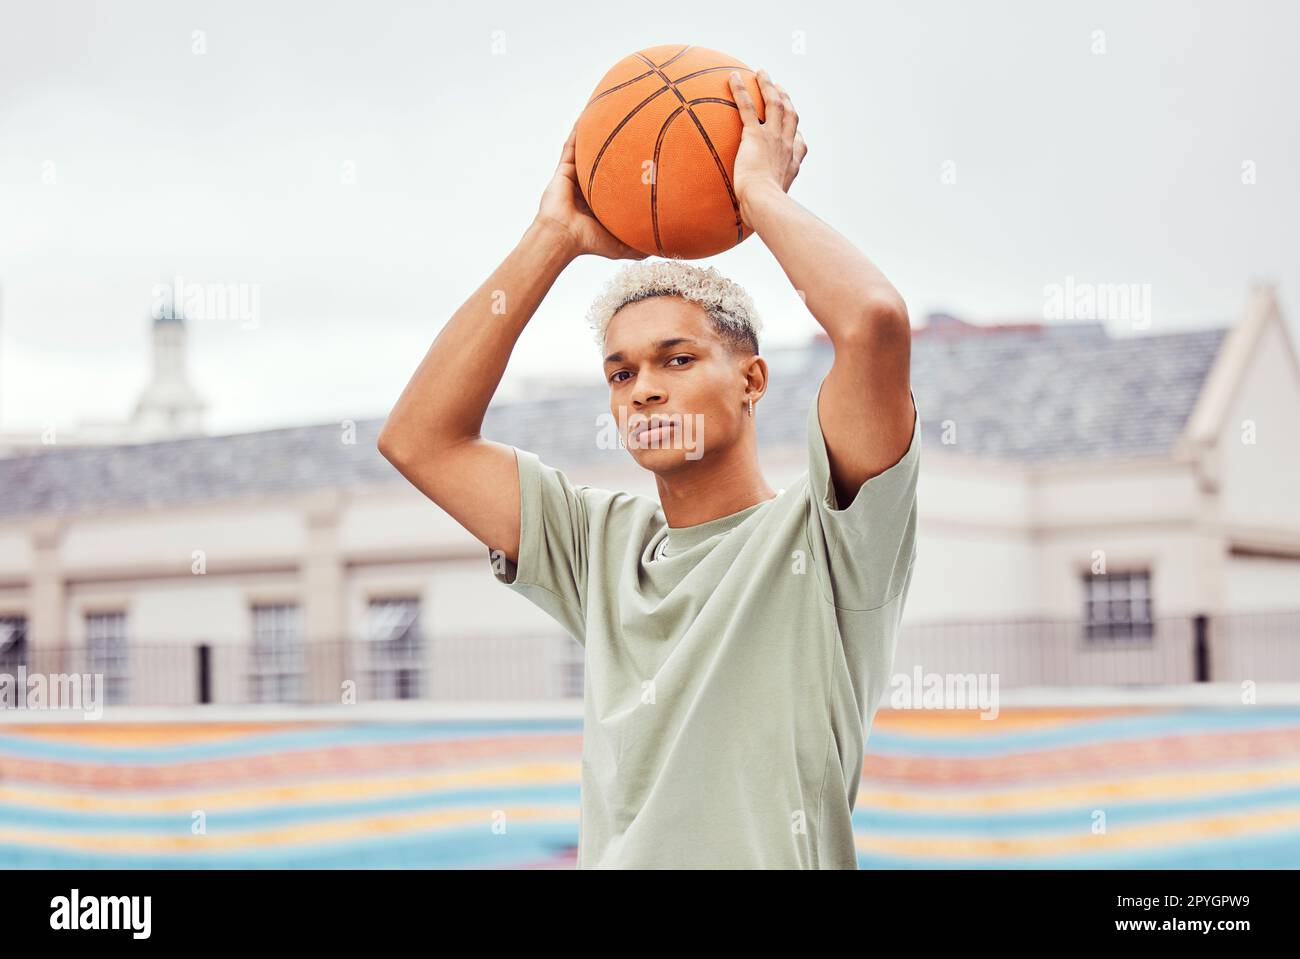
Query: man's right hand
[[564, 205]]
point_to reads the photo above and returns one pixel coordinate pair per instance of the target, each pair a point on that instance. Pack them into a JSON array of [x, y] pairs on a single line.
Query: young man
[[737, 640]]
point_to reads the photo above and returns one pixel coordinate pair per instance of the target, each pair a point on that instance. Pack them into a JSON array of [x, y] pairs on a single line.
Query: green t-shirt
[[731, 681]]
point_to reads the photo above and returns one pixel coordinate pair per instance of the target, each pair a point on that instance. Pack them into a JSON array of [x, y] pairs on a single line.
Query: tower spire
[[169, 405]]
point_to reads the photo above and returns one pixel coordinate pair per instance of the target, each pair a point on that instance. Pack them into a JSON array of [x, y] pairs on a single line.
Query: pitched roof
[[1072, 393], [1025, 393]]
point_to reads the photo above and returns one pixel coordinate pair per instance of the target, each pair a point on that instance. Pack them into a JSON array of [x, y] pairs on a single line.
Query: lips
[[654, 432], [659, 423]]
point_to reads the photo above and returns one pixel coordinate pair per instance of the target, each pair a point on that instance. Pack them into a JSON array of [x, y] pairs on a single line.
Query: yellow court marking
[[1146, 835], [503, 776], [1154, 788], [305, 834], [521, 775], [967, 722], [148, 734]]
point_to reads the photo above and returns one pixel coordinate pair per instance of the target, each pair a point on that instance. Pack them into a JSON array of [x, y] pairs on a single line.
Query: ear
[[754, 370]]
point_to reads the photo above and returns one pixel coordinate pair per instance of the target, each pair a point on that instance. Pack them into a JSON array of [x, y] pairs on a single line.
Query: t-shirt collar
[[682, 538]]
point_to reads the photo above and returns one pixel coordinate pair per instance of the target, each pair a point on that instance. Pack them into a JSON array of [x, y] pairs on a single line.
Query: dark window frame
[[277, 666], [108, 652], [393, 649], [1117, 606]]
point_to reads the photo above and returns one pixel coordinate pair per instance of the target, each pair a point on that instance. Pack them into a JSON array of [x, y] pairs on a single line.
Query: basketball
[[656, 146]]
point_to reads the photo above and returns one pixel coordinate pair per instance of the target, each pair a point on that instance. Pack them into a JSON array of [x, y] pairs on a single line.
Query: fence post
[[1201, 630], [205, 673]]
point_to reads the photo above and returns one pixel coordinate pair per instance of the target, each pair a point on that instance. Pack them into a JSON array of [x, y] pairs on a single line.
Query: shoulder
[[618, 508], [623, 504]]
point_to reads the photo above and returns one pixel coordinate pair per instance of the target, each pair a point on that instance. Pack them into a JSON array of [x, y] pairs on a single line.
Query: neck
[[714, 486]]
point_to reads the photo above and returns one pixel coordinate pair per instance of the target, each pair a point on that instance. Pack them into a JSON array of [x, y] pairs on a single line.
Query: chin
[[663, 460]]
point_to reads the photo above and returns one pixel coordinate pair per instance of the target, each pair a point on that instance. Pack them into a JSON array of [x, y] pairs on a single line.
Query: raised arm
[[865, 404], [432, 436]]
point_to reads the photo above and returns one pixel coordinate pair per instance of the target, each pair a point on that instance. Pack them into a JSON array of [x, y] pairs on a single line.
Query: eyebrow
[[660, 347]]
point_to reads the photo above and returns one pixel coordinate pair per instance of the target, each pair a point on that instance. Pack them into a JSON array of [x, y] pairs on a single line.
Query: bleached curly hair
[[729, 307]]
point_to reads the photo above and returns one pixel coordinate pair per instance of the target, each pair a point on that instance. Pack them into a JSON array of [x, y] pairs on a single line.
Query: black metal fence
[[1240, 648], [534, 666], [1236, 648]]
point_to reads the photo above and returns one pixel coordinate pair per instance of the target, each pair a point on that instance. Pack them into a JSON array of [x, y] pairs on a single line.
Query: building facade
[[1091, 510]]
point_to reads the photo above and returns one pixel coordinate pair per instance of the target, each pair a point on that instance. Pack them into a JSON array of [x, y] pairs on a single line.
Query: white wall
[[1116, 494], [15, 553], [1261, 583], [228, 534], [1172, 554], [971, 573], [210, 609], [1260, 482], [395, 520]]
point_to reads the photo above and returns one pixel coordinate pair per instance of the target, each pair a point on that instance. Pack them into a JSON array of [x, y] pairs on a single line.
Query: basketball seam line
[[654, 184], [650, 73], [628, 83], [670, 84], [591, 177], [731, 193]]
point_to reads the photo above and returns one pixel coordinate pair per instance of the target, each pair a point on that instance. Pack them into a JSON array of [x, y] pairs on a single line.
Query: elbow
[[886, 310], [882, 322], [390, 446], [406, 449]]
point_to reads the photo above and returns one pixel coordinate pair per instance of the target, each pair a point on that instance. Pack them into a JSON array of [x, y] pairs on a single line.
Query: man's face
[[665, 363]]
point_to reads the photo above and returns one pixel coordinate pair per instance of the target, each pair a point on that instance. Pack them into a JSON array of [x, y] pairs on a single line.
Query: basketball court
[[1160, 786]]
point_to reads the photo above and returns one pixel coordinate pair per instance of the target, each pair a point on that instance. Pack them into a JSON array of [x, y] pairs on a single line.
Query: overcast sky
[[366, 166]]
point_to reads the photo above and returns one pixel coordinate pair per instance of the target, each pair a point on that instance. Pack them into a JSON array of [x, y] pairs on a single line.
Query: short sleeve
[[864, 551], [551, 571]]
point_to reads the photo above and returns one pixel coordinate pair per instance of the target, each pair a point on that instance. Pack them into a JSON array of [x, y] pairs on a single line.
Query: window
[[1117, 605], [13, 643], [392, 655], [277, 668], [107, 654]]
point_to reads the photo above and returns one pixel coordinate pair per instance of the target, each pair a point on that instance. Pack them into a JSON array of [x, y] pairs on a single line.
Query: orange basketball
[[656, 148]]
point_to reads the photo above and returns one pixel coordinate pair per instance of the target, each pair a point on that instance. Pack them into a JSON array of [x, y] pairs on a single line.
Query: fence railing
[[1233, 648], [526, 666], [1263, 647], [1056, 652]]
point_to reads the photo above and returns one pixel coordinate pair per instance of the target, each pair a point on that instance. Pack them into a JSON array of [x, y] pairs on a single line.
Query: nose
[[645, 396]]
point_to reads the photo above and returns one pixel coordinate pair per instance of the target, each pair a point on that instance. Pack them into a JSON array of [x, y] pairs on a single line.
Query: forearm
[[843, 290], [448, 396]]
